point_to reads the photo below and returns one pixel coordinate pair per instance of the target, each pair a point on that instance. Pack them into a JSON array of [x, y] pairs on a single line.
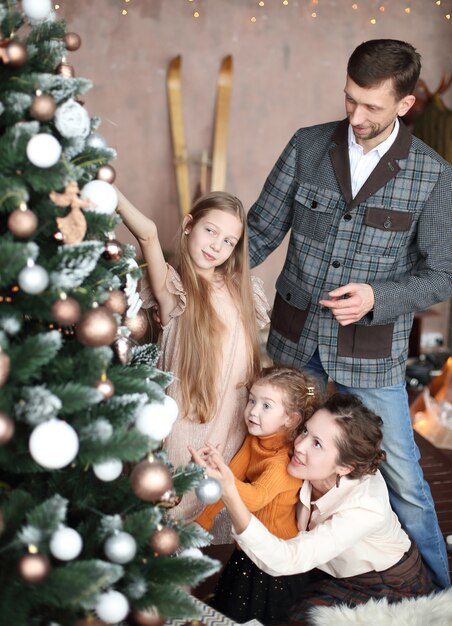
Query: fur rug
[[433, 610]]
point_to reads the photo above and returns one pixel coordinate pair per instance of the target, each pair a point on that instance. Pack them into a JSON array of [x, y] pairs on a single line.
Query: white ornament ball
[[108, 470], [66, 544], [33, 279], [37, 9], [153, 421], [102, 195], [43, 150], [112, 607], [53, 444], [171, 408], [120, 548], [208, 491], [72, 120]]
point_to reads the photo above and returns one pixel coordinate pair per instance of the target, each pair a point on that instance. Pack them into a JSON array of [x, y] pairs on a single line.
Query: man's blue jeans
[[408, 491]]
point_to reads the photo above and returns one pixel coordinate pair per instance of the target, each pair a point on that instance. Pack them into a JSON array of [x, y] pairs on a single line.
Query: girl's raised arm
[[145, 231]]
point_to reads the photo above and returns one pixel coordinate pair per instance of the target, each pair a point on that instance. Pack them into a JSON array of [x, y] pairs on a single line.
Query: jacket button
[[387, 223], [288, 296], [314, 204], [347, 217], [336, 264]]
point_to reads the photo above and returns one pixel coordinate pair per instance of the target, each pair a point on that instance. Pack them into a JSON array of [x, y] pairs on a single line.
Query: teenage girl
[[211, 310], [279, 400]]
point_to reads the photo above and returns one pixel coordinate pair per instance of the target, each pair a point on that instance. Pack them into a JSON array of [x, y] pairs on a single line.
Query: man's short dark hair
[[378, 60]]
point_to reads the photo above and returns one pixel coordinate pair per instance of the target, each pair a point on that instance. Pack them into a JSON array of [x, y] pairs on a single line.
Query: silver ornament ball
[[209, 490], [120, 548]]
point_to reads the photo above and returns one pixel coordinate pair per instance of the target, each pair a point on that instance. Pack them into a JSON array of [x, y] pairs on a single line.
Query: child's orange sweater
[[269, 492]]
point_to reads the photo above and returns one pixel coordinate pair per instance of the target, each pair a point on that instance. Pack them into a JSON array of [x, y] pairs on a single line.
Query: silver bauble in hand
[[209, 490]]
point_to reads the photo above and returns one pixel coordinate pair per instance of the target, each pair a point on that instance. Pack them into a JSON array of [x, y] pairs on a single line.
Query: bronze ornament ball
[[66, 311], [137, 325], [106, 173], [116, 301], [22, 222], [43, 108], [33, 568], [165, 541], [16, 53], [6, 428], [150, 480], [72, 41], [97, 327]]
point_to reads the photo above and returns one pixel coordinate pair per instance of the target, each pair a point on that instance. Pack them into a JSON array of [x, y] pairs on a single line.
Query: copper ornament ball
[[150, 480], [16, 52], [113, 250], [116, 301], [137, 325], [33, 568], [106, 173], [6, 428], [43, 108], [72, 41], [147, 617], [97, 327], [22, 222], [64, 69], [66, 311], [165, 542]]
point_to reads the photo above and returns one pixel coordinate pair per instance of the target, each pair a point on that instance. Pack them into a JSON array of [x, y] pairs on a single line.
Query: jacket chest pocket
[[314, 212], [384, 231]]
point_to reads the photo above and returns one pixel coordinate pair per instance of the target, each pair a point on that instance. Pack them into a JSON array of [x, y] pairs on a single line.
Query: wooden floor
[[437, 466]]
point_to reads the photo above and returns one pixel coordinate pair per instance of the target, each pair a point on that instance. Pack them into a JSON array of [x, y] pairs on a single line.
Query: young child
[[210, 310], [279, 400]]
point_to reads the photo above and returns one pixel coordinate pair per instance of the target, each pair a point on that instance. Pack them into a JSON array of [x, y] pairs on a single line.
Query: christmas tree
[[86, 535]]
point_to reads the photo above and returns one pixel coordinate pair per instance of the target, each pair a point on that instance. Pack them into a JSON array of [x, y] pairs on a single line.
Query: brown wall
[[289, 71]]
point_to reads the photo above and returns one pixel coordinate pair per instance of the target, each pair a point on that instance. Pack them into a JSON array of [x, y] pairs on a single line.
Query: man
[[370, 212]]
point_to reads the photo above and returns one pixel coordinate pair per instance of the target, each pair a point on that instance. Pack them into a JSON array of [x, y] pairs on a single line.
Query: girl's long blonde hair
[[200, 326]]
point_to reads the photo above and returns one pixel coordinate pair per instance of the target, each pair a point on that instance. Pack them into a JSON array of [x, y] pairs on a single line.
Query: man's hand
[[350, 303]]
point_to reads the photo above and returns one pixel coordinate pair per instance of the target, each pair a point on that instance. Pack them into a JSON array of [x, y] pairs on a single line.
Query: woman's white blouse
[[348, 531]]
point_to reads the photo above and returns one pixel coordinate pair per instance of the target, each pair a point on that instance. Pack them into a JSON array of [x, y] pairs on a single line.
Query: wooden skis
[[220, 134]]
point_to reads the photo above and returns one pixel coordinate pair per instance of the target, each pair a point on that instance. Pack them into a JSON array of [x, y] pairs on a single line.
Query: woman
[[349, 535]]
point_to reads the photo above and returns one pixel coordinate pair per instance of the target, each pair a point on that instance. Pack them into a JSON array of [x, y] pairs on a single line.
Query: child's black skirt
[[244, 592]]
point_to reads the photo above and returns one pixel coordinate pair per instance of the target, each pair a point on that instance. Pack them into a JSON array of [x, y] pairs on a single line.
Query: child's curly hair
[[301, 393]]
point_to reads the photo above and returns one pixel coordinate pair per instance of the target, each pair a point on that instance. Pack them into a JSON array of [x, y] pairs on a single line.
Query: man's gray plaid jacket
[[395, 235]]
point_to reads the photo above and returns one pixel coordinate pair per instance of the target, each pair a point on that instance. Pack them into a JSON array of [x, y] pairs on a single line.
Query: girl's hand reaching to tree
[[211, 458]]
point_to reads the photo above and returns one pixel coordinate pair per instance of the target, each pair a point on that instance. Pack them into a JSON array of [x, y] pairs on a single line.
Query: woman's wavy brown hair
[[200, 327], [359, 445]]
